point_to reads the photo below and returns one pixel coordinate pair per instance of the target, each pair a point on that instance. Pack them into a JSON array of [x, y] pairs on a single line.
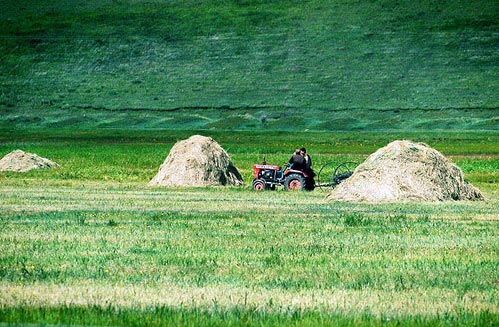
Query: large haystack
[[20, 161], [197, 161], [407, 172]]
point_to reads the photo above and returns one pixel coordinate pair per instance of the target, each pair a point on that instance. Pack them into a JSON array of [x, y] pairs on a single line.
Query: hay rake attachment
[[329, 176]]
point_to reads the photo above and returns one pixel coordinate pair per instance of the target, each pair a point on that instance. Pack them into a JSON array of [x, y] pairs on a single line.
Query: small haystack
[[197, 161], [20, 161], [408, 172]]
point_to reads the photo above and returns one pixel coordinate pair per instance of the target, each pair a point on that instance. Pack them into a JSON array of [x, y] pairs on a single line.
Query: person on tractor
[[307, 167], [297, 161]]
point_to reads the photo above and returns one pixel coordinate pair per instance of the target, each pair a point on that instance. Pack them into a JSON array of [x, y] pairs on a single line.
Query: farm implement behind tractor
[[268, 177]]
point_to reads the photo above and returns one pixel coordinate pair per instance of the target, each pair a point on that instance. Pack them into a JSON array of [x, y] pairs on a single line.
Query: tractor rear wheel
[[259, 185], [294, 182]]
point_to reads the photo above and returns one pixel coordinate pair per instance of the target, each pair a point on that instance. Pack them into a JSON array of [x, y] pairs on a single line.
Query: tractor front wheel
[[294, 182], [259, 185]]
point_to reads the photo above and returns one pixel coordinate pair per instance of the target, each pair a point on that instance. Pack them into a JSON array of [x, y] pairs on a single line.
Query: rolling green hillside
[[250, 64]]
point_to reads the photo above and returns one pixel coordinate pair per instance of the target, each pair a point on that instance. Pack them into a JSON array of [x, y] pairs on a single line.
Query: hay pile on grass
[[408, 172], [197, 161], [20, 161]]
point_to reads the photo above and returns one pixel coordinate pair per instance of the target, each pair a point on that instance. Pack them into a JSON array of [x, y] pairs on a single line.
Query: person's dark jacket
[[297, 162], [307, 162]]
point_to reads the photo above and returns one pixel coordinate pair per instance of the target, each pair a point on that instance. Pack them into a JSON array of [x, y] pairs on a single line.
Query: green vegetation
[[105, 88], [135, 155], [92, 244], [321, 65]]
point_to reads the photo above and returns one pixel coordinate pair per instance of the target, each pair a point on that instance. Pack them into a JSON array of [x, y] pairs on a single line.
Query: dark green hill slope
[[250, 64]]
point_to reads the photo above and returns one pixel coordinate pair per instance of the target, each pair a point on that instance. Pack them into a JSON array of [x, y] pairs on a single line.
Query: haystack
[[20, 161], [407, 172], [197, 161]]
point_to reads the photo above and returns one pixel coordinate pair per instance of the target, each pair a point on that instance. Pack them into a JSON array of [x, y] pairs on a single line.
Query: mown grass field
[[92, 244], [105, 88]]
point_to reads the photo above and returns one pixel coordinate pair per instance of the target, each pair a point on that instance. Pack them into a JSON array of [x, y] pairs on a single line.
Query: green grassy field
[[250, 64], [105, 88], [92, 244]]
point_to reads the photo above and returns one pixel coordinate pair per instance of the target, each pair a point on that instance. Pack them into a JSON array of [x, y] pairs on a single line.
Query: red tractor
[[267, 177]]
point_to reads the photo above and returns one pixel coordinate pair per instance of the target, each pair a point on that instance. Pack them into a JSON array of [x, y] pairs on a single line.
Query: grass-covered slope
[[164, 64]]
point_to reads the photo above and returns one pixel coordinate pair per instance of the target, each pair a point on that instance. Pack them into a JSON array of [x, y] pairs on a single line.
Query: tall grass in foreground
[[217, 256], [92, 244], [165, 316]]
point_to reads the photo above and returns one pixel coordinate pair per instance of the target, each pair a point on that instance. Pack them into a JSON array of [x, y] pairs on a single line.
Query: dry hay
[[20, 161], [407, 172], [197, 161]]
